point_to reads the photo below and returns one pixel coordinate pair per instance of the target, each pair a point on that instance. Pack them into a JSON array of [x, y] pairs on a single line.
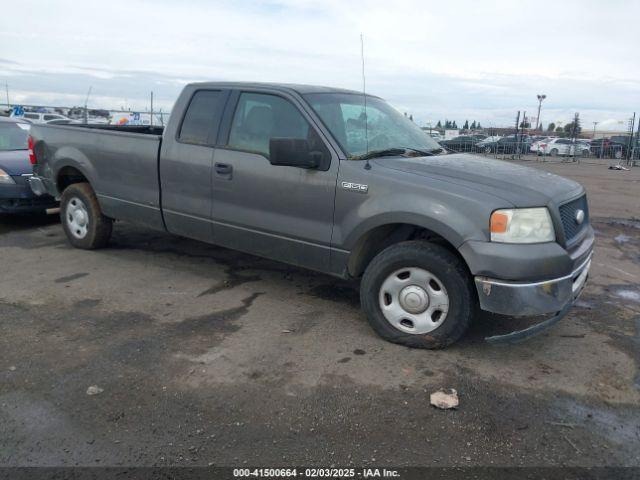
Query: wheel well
[[67, 176], [376, 240]]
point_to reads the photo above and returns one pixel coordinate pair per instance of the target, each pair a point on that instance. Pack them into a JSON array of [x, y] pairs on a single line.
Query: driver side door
[[280, 212]]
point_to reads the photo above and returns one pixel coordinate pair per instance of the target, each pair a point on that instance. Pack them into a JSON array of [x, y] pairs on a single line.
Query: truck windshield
[[387, 129], [13, 136]]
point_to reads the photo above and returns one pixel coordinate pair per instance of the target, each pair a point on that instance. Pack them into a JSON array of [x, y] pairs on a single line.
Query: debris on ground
[[94, 390], [618, 167], [445, 399], [12, 368]]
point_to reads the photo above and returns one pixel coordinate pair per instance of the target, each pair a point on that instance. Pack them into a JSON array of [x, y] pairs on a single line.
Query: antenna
[[367, 165]]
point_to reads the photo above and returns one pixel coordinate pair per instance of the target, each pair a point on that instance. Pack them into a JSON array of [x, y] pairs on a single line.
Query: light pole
[[540, 99], [595, 124]]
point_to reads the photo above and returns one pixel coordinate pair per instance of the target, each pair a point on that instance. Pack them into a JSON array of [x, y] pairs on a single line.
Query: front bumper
[[532, 298]]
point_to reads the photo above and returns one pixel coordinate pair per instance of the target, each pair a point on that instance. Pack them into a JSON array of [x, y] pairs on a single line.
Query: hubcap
[[77, 218], [414, 300]]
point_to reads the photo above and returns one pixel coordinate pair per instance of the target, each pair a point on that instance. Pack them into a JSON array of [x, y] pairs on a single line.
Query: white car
[[36, 117], [564, 147], [536, 147], [435, 135]]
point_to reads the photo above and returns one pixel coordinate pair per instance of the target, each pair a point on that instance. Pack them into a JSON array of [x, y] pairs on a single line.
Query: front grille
[[568, 216]]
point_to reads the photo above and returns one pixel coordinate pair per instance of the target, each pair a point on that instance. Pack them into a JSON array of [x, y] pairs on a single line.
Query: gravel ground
[[203, 355]]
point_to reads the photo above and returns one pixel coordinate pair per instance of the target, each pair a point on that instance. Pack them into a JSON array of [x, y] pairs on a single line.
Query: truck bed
[[120, 162]]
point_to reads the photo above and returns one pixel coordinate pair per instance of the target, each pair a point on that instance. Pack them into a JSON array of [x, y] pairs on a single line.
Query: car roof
[[302, 89]]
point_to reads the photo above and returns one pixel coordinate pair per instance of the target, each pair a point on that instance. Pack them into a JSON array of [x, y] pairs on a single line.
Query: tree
[[453, 125], [573, 129], [473, 125], [411, 117], [551, 127], [525, 124], [479, 127], [466, 125], [439, 125], [447, 124]]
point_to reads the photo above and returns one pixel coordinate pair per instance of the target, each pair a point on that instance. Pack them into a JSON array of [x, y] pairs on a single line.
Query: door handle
[[223, 169]]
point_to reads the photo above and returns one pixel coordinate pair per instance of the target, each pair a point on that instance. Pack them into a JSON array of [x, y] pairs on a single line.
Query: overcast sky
[[461, 59]]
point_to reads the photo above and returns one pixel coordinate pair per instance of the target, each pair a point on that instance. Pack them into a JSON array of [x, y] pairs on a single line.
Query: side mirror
[[293, 152]]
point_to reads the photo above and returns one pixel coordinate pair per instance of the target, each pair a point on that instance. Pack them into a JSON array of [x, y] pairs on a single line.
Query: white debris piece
[[445, 399], [94, 390]]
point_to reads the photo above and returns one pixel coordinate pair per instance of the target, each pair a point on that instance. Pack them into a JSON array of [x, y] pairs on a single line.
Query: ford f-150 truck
[[337, 182]]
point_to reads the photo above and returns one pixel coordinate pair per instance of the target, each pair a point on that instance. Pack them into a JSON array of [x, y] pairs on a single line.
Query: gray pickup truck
[[329, 180]]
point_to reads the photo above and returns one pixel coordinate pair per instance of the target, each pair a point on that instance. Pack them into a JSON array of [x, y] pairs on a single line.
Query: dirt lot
[[210, 356]]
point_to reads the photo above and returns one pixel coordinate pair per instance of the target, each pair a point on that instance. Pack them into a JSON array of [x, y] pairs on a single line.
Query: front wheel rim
[[77, 218], [413, 300]]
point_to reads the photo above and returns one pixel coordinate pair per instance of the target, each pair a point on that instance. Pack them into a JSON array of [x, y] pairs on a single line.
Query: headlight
[[5, 178], [522, 225]]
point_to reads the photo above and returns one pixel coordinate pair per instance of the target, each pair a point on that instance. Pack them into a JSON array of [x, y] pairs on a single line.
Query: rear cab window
[[202, 118]]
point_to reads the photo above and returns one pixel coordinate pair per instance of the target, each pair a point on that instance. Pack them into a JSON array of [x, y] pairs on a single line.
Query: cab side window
[[260, 117]]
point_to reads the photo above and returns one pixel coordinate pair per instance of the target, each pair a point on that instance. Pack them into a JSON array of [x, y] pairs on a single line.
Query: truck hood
[[15, 162], [521, 186]]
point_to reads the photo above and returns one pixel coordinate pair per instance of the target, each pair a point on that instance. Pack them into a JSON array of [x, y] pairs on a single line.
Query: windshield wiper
[[426, 153], [393, 152], [386, 152]]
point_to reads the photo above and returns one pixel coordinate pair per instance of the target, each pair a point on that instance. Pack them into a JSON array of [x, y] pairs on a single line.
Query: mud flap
[[532, 331]]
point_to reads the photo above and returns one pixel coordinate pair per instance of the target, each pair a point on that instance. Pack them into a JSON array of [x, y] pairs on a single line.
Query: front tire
[[418, 294], [82, 220]]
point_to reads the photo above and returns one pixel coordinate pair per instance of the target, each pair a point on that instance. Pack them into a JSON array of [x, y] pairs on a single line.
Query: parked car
[[463, 143], [608, 147], [434, 134], [15, 194], [39, 117], [484, 145], [536, 145], [511, 144], [562, 147], [297, 174]]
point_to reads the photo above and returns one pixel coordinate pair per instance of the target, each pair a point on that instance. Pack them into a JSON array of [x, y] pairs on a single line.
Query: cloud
[[456, 60]]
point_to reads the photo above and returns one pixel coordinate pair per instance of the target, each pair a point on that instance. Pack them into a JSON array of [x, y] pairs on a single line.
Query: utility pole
[[151, 108], [6, 86], [595, 124], [540, 99], [632, 124], [86, 101]]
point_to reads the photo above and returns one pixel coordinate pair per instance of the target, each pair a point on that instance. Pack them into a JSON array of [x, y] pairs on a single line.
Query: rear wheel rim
[[413, 300], [77, 218]]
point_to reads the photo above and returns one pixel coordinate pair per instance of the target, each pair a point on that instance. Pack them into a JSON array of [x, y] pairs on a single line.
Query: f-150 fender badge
[[355, 187]]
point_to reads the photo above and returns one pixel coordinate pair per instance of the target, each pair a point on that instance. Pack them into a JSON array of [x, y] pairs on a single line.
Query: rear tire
[[82, 220], [415, 269], [554, 152]]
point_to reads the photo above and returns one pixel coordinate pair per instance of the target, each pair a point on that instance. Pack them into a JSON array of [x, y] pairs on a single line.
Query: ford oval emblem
[[579, 216]]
